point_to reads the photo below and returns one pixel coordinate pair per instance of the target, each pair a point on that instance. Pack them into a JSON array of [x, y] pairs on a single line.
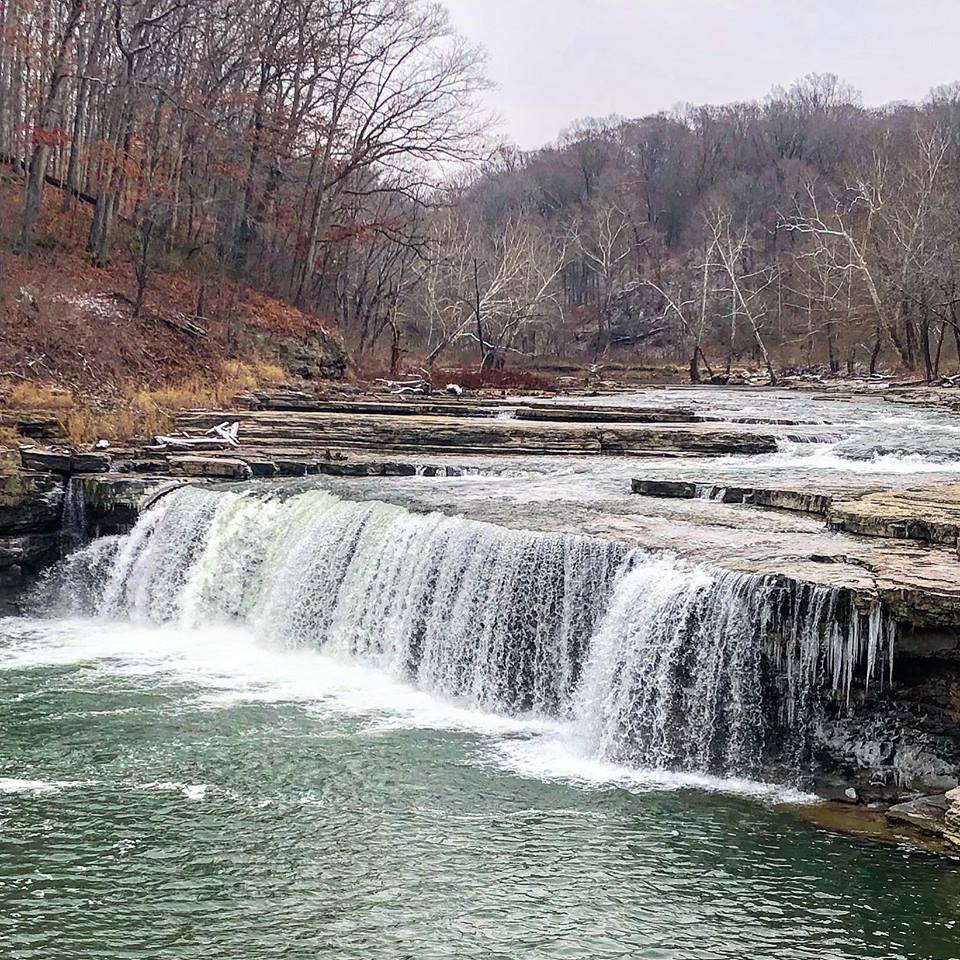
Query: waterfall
[[655, 660], [74, 526]]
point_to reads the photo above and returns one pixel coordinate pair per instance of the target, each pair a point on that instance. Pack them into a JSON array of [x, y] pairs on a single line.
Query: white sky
[[555, 61]]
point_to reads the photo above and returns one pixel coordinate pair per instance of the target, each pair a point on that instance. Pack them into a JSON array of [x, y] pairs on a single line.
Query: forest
[[336, 154]]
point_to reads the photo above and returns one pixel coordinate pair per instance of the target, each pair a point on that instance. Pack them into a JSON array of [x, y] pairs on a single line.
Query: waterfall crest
[[657, 661]]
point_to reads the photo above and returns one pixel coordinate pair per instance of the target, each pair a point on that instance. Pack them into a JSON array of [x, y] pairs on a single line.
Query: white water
[[74, 526], [622, 657], [228, 665], [863, 435]]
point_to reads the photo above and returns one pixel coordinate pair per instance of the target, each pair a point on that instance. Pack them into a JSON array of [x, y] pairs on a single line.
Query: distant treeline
[[803, 230]]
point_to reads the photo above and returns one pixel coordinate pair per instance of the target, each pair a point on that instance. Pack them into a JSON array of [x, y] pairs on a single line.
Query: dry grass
[[29, 395], [9, 437], [10, 442], [146, 413]]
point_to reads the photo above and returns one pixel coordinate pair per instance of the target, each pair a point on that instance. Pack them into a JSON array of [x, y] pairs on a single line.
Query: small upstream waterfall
[[74, 526], [653, 660]]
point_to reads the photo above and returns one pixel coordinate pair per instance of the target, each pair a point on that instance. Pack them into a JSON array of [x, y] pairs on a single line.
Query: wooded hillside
[[332, 153]]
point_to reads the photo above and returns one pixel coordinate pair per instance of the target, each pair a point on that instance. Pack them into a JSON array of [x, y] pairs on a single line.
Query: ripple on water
[[241, 813]]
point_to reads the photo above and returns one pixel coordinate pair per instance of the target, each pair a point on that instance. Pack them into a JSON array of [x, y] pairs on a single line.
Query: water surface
[[182, 794]]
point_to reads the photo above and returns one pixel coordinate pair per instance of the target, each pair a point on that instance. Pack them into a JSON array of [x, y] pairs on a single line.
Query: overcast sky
[[555, 61]]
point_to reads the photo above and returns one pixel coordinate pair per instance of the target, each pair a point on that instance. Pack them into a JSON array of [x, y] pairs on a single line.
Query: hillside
[[70, 340]]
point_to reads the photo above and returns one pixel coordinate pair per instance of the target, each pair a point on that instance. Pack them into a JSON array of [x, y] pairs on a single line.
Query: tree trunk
[[45, 117]]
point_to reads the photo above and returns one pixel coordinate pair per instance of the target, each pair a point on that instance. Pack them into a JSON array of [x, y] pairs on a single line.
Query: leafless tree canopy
[[331, 151]]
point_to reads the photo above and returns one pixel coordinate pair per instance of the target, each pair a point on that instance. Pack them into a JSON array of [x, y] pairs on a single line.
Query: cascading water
[[653, 660], [74, 526]]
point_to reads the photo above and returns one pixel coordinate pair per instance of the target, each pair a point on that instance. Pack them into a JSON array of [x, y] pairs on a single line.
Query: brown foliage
[[69, 325]]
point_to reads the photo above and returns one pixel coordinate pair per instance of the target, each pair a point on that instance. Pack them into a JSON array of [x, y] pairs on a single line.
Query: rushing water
[[180, 793], [651, 659], [286, 724]]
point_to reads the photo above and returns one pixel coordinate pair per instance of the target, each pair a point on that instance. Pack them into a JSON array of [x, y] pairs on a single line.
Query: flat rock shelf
[[270, 431]]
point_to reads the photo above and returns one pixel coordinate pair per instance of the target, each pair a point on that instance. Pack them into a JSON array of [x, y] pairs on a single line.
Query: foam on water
[[228, 666], [841, 457], [37, 787]]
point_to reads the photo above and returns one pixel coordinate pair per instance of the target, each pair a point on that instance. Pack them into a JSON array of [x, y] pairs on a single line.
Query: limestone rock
[[320, 357], [262, 468], [35, 424], [90, 463], [273, 432], [223, 468], [676, 489], [139, 465], [32, 551], [292, 468], [799, 501], [113, 502], [930, 514], [951, 818], [599, 414], [33, 458], [684, 490], [368, 469], [927, 814], [30, 503]]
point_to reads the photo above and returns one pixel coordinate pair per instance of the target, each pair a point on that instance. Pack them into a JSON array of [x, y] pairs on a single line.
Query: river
[[303, 727]]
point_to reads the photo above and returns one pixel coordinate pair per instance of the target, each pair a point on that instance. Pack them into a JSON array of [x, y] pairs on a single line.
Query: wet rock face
[[113, 503], [895, 741], [30, 510], [30, 503]]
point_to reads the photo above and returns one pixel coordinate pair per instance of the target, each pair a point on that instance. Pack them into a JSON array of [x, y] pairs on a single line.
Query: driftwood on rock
[[418, 386], [216, 438]]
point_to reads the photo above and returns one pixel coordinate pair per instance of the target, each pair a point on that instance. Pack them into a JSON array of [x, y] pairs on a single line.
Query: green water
[[186, 796]]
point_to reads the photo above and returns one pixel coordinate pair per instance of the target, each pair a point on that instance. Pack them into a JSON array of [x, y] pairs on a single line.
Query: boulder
[[927, 814], [221, 468]]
